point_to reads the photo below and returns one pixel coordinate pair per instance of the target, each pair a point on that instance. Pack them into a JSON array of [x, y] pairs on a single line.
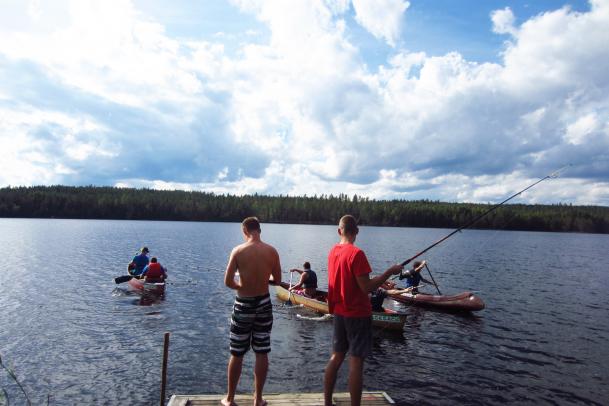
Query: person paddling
[[308, 280], [413, 277], [139, 262], [377, 298], [154, 272]]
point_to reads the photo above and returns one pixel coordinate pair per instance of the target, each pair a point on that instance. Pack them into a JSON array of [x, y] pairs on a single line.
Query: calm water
[[74, 337]]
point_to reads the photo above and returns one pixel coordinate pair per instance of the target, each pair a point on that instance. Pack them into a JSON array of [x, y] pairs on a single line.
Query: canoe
[[149, 288], [389, 319], [465, 301]]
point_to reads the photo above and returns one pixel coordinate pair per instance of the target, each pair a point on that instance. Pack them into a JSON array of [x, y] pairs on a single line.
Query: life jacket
[[311, 281], [155, 271]]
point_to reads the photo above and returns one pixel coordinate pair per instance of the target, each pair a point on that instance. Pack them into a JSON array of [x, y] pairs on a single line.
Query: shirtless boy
[[252, 317]]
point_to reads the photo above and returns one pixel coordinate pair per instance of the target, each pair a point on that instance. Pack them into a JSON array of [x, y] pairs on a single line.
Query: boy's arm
[[231, 270], [420, 267], [300, 282], [276, 271], [368, 285]]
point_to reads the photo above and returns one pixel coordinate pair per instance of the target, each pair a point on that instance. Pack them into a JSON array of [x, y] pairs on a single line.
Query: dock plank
[[375, 398]]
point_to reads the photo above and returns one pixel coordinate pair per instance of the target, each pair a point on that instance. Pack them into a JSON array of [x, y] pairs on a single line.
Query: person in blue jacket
[[139, 262]]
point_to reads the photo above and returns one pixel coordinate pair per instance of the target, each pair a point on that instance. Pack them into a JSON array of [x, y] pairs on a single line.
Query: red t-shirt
[[345, 298]]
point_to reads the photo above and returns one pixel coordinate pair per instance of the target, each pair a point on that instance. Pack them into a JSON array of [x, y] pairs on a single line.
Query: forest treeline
[[91, 202]]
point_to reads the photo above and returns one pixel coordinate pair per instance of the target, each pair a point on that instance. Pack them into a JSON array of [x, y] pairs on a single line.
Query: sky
[[458, 101]]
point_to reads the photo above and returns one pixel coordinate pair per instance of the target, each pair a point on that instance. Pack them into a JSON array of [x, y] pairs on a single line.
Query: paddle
[[433, 280], [125, 278], [289, 302], [122, 279]]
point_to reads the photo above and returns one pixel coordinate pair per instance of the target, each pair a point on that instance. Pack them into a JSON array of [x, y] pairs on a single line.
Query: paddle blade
[[122, 279], [289, 301]]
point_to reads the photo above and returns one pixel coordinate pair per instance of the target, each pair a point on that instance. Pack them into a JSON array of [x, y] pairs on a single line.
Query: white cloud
[[560, 51], [503, 21], [41, 146], [106, 49], [578, 131], [303, 113], [382, 18]]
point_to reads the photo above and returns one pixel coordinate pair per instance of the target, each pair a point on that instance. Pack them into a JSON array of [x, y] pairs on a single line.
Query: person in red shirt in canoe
[[154, 272]]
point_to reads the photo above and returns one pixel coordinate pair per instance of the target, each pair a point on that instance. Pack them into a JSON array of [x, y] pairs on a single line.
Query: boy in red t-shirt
[[348, 286]]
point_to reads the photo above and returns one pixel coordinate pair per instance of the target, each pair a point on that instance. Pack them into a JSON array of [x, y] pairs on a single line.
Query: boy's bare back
[[256, 261]]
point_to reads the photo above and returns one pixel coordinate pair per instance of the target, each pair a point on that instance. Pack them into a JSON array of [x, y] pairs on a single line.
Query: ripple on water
[[83, 339]]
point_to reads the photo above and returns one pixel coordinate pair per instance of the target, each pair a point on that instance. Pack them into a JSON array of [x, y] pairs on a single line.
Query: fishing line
[[552, 175], [487, 241]]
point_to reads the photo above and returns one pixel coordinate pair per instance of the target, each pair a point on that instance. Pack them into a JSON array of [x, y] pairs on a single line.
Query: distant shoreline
[[287, 224], [109, 203]]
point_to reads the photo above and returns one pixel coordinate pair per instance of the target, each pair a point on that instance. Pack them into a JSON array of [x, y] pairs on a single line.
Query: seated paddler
[[377, 298], [139, 262], [154, 272], [413, 277], [308, 280]]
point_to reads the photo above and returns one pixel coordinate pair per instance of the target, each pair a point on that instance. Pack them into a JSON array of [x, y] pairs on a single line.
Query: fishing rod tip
[[556, 173]]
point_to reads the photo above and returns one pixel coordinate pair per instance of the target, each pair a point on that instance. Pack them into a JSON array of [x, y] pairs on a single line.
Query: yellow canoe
[[389, 319]]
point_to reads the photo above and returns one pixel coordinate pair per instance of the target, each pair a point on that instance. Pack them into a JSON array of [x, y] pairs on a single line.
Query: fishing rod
[[550, 176]]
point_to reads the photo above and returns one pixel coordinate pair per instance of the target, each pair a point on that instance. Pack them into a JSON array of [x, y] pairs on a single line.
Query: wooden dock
[[283, 399]]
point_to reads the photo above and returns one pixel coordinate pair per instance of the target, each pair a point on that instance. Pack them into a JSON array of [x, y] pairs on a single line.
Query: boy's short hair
[[306, 265], [251, 224], [348, 224]]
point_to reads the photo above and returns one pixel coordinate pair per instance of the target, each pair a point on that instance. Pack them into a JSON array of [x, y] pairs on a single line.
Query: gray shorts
[[353, 334]]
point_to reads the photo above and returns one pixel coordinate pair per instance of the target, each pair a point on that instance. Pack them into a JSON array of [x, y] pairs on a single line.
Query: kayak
[[465, 301], [147, 287], [389, 319]]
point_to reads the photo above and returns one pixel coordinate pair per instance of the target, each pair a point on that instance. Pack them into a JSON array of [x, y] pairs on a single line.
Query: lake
[[74, 337]]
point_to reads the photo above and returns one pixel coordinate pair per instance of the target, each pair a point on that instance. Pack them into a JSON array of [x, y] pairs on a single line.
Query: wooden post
[[164, 369]]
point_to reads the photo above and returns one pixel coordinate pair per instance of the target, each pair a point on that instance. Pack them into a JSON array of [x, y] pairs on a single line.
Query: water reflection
[[145, 298], [542, 341], [151, 298]]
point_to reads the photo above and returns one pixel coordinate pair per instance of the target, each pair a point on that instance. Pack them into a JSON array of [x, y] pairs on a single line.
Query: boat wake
[[325, 317], [287, 306], [116, 292], [286, 309]]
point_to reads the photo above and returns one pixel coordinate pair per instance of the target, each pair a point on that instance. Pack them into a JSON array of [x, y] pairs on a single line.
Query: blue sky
[[443, 100]]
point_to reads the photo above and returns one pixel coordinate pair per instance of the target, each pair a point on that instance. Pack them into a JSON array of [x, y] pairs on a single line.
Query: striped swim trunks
[[251, 322]]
